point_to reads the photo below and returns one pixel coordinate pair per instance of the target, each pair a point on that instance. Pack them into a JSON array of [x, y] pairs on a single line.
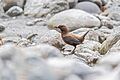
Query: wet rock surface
[[32, 48]]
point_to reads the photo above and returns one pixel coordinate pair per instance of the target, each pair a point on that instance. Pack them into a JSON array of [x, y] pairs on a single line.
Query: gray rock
[[109, 42], [89, 7], [14, 11], [92, 45], [52, 37], [93, 34], [114, 16], [1, 7], [63, 67], [10, 3], [43, 51], [73, 19], [73, 77], [17, 63], [43, 8], [15, 27], [112, 10], [2, 27]]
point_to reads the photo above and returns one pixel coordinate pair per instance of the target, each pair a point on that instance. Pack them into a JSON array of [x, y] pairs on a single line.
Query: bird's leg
[[73, 51], [1, 42]]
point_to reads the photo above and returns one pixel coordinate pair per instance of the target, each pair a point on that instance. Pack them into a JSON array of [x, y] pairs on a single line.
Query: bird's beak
[[57, 29]]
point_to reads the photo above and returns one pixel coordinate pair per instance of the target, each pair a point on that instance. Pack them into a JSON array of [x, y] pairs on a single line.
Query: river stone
[[63, 67], [10, 3], [52, 37], [14, 11], [89, 7], [43, 50], [73, 19], [40, 8]]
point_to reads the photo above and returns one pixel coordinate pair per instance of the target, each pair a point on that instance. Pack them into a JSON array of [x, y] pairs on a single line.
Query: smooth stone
[[63, 67], [89, 7], [14, 11], [10, 3], [42, 8], [73, 19]]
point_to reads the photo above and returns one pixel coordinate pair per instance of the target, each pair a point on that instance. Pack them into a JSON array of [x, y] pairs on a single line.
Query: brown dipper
[[70, 38]]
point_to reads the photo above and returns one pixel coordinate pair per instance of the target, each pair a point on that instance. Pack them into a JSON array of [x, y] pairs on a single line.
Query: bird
[[70, 38]]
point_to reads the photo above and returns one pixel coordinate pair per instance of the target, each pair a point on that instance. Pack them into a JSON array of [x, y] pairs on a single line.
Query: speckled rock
[[40, 50], [109, 42], [52, 37], [88, 7], [14, 11], [10, 3], [114, 16], [86, 52], [17, 64], [42, 8], [112, 10], [69, 66], [73, 19]]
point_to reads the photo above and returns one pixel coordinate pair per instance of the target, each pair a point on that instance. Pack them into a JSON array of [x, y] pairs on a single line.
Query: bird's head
[[63, 29]]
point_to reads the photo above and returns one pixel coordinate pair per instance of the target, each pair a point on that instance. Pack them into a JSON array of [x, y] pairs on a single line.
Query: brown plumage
[[70, 38]]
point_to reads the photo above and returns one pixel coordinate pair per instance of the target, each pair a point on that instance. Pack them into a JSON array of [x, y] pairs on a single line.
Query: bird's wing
[[71, 40]]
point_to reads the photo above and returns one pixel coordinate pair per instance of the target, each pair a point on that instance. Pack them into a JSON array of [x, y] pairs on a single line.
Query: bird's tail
[[85, 34]]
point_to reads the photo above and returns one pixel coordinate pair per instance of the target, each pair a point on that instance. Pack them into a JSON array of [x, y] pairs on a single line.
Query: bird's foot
[[72, 53]]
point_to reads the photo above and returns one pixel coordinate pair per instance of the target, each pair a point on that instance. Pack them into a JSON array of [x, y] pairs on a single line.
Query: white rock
[[40, 8], [73, 19], [52, 37], [63, 67]]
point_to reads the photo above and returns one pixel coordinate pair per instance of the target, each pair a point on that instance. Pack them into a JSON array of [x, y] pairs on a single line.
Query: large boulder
[[73, 19], [40, 8]]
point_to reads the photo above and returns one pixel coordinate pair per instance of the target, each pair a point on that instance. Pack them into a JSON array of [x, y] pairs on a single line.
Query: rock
[[114, 16], [10, 3], [110, 60], [89, 7], [86, 52], [82, 0], [112, 10], [43, 50], [72, 3], [14, 11], [52, 37], [73, 19], [63, 67], [92, 45], [73, 77], [15, 27], [92, 35], [18, 64], [109, 42], [41, 20], [2, 27], [43, 8]]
